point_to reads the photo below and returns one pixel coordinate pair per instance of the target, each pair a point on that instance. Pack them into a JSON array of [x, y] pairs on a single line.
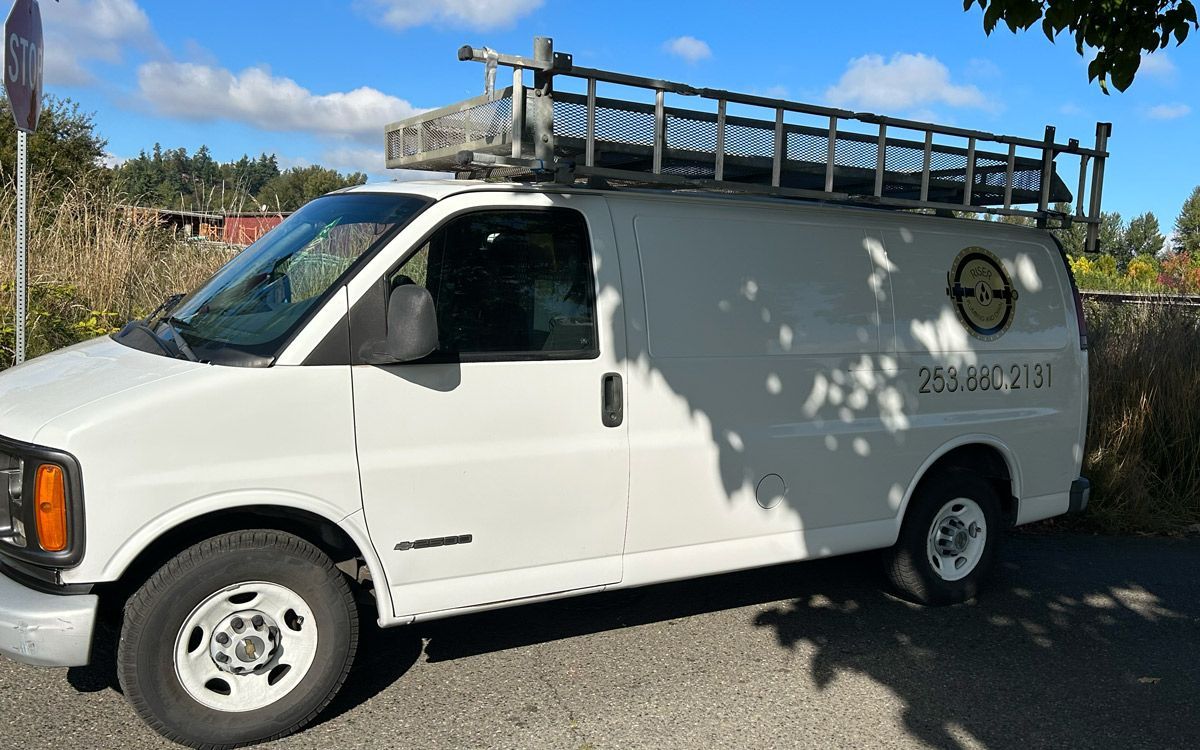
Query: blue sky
[[314, 82]]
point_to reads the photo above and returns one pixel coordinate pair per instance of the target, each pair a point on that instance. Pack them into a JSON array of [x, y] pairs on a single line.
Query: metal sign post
[[23, 83], [22, 222]]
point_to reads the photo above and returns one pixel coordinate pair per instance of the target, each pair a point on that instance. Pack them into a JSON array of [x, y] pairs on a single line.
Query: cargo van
[[454, 395]]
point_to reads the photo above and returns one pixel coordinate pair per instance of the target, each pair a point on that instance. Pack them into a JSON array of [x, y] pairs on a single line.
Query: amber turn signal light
[[50, 507]]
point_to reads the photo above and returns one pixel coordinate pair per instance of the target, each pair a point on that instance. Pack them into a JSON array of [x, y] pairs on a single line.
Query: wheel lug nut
[[257, 621], [222, 639], [237, 624], [222, 658]]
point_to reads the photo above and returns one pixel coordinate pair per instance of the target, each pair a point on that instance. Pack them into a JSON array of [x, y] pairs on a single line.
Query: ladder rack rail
[[584, 135]]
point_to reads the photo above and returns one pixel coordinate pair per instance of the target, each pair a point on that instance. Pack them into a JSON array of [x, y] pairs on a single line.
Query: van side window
[[510, 284]]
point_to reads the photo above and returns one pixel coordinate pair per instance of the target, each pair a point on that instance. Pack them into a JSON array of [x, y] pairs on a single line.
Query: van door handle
[[612, 407]]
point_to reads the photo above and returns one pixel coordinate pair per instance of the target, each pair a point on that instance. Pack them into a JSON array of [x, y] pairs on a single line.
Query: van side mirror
[[412, 330]]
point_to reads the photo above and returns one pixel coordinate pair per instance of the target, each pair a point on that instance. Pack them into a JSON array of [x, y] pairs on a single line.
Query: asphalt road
[[1080, 642]]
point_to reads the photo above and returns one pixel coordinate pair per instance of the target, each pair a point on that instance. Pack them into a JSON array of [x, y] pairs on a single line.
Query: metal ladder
[[568, 136]]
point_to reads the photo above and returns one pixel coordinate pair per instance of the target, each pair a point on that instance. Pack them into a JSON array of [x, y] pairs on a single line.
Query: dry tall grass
[[1143, 444], [93, 264]]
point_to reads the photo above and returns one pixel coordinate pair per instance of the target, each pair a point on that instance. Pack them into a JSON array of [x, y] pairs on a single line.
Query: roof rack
[[541, 133]]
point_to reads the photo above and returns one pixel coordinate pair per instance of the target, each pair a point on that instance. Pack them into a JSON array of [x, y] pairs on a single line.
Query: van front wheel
[[242, 638], [947, 541]]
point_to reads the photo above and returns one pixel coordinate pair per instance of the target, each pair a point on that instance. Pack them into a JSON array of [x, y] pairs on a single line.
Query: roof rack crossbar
[[650, 145]]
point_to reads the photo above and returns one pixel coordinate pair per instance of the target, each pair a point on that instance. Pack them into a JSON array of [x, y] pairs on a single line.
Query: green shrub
[[57, 317]]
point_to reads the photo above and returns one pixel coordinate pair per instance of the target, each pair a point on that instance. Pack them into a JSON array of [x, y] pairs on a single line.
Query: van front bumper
[[45, 630]]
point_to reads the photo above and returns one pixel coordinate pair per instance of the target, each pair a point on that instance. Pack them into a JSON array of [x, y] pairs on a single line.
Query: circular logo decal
[[982, 292]]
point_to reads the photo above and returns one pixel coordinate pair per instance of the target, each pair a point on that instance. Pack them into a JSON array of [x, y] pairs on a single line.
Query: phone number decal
[[984, 378]]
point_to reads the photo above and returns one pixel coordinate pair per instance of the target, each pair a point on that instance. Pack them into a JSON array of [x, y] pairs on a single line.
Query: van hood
[[47, 387]]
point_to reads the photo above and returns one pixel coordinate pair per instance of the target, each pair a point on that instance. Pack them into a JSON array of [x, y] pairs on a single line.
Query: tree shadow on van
[[794, 345]]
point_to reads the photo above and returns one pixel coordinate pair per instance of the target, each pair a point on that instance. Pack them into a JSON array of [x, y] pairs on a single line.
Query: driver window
[[510, 284]]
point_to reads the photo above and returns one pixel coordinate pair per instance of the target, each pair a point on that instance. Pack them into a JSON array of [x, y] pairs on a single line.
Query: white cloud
[[92, 30], [256, 97], [689, 48], [905, 82], [1070, 109], [110, 160], [479, 15], [1168, 111], [1157, 65], [369, 160]]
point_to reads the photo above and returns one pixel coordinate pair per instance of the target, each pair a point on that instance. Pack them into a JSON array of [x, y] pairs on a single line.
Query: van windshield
[[249, 309]]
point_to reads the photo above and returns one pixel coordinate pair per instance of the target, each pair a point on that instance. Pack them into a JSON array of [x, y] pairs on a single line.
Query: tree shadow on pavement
[[1064, 649], [1049, 656]]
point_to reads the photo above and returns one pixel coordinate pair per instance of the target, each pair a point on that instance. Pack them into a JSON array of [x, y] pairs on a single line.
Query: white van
[[460, 395], [446, 396]]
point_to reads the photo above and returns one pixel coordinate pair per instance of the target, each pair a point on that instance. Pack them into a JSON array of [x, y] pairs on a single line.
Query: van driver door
[[495, 469]]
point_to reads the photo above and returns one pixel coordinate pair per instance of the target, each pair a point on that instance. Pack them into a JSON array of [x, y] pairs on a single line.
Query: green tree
[[64, 148], [245, 178], [1111, 238], [1074, 237], [1187, 226], [1143, 236], [1120, 31], [299, 185]]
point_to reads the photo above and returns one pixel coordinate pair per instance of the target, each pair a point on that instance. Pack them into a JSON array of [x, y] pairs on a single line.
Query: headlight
[[41, 519], [12, 517]]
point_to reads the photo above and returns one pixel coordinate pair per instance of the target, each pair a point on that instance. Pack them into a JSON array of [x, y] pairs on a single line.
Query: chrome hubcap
[[957, 539], [244, 642]]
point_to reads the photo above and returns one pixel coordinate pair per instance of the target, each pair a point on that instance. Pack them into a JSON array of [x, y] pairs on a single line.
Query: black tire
[[909, 568], [155, 614]]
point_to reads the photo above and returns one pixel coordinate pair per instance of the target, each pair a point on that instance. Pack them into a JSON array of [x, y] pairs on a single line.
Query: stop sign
[[23, 63]]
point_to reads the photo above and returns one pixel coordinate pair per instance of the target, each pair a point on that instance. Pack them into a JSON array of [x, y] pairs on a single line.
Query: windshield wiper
[[166, 306], [173, 326]]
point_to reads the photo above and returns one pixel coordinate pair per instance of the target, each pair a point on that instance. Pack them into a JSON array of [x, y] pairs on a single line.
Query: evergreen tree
[[1074, 237], [205, 179], [1187, 226], [1112, 235], [1143, 236]]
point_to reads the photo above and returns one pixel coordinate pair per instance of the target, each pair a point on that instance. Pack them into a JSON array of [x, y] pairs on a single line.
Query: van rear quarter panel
[[1038, 409], [790, 339]]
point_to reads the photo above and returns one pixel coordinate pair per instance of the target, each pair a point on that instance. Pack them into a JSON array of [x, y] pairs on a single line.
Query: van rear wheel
[[241, 638], [948, 540]]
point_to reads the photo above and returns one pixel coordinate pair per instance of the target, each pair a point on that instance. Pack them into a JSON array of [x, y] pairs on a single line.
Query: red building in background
[[231, 228], [242, 229]]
